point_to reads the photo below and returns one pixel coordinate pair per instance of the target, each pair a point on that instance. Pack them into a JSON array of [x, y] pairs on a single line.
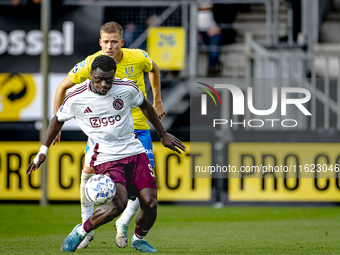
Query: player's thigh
[[120, 199], [111, 210]]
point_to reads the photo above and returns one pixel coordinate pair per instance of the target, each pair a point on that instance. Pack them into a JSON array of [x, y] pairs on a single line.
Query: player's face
[[101, 82], [111, 44]]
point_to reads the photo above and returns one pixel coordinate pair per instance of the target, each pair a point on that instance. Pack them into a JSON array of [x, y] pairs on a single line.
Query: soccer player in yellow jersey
[[131, 64]]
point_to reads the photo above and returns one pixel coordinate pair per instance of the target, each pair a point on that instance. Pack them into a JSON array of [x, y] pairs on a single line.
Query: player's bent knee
[[148, 199], [153, 205], [150, 205], [120, 205]]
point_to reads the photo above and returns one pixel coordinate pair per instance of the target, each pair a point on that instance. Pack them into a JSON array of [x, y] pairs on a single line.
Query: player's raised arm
[[155, 81], [167, 139], [61, 92], [52, 130], [58, 100]]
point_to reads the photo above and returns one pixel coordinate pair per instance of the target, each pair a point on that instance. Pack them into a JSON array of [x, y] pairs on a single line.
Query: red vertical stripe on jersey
[[95, 155]]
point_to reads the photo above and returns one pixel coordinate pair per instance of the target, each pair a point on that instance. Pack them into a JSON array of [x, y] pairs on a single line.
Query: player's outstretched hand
[[159, 109], [173, 143], [57, 138], [34, 166]]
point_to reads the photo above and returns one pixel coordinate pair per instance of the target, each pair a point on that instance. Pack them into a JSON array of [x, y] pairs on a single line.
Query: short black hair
[[105, 63]]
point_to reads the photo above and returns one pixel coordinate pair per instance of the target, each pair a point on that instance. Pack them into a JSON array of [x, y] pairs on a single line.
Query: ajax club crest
[[118, 104]]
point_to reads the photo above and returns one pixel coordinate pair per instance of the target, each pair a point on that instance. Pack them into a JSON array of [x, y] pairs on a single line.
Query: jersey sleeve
[[147, 62], [66, 111], [136, 96], [81, 71]]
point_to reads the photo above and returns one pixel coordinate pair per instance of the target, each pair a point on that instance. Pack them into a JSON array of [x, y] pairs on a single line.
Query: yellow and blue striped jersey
[[132, 66]]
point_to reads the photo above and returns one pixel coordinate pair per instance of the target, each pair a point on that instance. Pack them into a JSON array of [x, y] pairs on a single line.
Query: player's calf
[[148, 213]]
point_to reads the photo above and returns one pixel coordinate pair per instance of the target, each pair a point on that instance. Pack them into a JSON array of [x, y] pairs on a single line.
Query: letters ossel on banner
[[173, 172]]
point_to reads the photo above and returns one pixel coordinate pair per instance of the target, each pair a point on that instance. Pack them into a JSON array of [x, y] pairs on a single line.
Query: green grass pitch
[[31, 229]]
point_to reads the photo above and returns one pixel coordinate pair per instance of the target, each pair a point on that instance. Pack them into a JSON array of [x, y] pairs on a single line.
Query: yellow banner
[[166, 46], [174, 171], [14, 159], [65, 162], [284, 172]]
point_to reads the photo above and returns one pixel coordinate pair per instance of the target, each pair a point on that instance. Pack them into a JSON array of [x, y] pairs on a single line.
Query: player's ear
[[100, 42], [123, 41]]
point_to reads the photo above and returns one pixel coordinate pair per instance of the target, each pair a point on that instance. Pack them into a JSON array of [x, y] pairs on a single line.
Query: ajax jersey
[[132, 66], [106, 120]]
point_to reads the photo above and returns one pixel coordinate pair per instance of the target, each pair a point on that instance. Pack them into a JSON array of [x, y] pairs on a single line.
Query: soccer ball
[[100, 189]]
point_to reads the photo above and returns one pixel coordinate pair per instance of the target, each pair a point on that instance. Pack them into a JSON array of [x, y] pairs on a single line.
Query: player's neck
[[90, 87], [119, 57]]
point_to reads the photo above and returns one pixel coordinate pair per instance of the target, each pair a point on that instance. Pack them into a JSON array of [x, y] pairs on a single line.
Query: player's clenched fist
[[38, 160]]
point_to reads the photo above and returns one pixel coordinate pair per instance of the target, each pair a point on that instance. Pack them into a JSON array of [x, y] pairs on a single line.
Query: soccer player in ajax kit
[[131, 64], [102, 109]]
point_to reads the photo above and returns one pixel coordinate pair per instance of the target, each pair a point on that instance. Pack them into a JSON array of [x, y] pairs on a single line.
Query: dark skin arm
[[168, 140], [58, 99], [53, 129]]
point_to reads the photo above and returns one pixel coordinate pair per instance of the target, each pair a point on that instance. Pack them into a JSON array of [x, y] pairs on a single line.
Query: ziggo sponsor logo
[[97, 122]]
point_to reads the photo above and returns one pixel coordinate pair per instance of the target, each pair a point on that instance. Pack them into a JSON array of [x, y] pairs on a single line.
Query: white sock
[[86, 205], [137, 238], [81, 230], [130, 211]]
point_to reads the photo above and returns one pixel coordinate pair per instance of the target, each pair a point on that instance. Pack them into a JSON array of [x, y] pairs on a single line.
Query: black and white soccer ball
[[100, 189]]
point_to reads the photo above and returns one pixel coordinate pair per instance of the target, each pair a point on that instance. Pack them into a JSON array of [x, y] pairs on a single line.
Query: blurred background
[[290, 43]]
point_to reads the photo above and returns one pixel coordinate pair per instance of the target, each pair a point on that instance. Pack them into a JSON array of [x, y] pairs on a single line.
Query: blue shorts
[[145, 137]]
